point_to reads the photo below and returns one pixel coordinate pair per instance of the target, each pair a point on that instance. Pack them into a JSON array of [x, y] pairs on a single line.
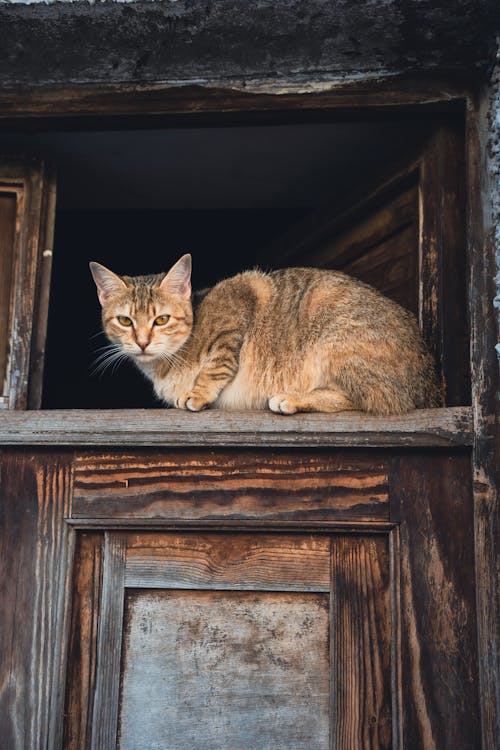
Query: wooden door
[[272, 599], [234, 640], [27, 212]]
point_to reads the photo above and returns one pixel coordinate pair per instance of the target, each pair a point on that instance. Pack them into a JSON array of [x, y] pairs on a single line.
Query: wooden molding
[[174, 428]]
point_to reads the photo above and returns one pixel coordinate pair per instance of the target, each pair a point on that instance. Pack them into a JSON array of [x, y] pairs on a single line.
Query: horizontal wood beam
[[174, 428]]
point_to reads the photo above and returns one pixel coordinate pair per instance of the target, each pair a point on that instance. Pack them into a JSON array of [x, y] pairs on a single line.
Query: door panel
[[240, 634], [222, 670]]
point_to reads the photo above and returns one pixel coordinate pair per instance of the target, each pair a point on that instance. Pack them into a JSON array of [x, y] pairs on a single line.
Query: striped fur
[[298, 339]]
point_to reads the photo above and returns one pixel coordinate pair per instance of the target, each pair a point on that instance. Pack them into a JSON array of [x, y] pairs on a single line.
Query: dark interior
[[135, 200]]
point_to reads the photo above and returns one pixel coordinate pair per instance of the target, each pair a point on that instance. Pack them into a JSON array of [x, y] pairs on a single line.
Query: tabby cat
[[299, 339]]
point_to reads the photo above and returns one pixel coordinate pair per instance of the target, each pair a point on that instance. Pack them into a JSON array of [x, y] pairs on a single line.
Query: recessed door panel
[[225, 670], [236, 640]]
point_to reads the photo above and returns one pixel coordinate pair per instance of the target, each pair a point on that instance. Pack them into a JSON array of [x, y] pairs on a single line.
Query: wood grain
[[107, 685], [35, 560], [486, 408], [29, 275], [361, 643], [8, 211], [443, 310], [431, 498], [235, 561], [175, 428], [218, 670], [194, 102], [232, 485], [367, 232], [82, 650], [336, 216]]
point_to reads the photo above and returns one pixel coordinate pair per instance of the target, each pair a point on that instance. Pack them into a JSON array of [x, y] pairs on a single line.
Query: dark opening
[[136, 200]]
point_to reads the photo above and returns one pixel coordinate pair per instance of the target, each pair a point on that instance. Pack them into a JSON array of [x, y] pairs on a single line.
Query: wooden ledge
[[173, 428]]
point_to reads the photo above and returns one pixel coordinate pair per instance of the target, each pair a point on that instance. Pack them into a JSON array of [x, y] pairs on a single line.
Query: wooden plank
[[82, 650], [259, 562], [175, 428], [486, 451], [139, 100], [33, 183], [225, 670], [335, 218], [369, 231], [431, 498], [243, 486], [8, 212], [42, 289], [443, 309], [392, 267], [107, 686], [361, 643], [35, 588]]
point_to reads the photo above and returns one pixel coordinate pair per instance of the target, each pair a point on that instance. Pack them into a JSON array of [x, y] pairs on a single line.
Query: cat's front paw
[[284, 403], [192, 402]]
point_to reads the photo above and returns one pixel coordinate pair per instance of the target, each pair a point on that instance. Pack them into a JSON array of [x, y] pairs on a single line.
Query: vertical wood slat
[[8, 210], [431, 498], [106, 697], [82, 648], [361, 644], [442, 304], [35, 496], [486, 410], [27, 255]]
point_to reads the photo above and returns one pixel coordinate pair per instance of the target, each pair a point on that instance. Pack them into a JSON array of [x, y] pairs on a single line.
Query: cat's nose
[[142, 344]]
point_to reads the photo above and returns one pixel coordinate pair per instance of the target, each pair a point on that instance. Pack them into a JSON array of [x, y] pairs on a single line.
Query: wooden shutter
[[405, 235], [27, 209]]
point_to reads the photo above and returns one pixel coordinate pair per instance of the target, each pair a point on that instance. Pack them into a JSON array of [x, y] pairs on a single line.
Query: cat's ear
[[108, 283], [178, 279]]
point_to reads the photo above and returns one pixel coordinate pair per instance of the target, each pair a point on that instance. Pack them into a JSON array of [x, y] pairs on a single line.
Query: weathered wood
[[253, 100], [8, 212], [335, 218], [232, 486], [238, 561], [367, 232], [35, 560], [225, 670], [29, 183], [174, 428], [431, 499], [361, 643], [486, 451], [107, 686], [392, 267], [443, 310], [82, 648], [42, 288]]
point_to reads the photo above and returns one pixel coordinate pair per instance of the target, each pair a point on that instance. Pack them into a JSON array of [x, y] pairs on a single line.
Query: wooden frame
[[171, 105], [25, 282]]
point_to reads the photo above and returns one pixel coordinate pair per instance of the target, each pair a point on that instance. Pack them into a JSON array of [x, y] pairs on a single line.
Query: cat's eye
[[124, 321], [161, 320]]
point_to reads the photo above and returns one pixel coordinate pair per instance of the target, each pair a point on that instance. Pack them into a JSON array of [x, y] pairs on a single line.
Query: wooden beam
[[175, 428]]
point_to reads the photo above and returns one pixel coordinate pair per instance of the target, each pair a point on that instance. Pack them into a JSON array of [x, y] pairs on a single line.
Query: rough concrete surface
[[195, 40]]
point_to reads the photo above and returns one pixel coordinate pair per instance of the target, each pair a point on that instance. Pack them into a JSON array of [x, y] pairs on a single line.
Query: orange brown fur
[[299, 339]]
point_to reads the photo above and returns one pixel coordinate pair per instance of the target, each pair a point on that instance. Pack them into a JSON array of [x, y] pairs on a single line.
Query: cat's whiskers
[[113, 354], [173, 359]]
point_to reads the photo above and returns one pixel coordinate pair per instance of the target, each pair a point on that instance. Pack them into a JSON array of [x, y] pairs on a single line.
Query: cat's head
[[146, 317]]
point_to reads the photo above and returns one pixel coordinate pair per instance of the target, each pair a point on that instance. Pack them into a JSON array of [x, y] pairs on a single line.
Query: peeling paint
[[494, 169]]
